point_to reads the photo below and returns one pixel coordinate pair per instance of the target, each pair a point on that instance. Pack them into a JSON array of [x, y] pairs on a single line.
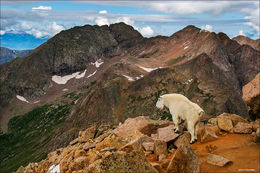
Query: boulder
[[184, 160], [141, 123], [256, 124], [251, 96], [121, 161], [87, 134], [148, 146], [213, 121], [208, 135], [88, 146], [236, 119], [225, 123], [217, 160], [156, 166], [256, 135], [243, 128], [160, 148], [183, 139], [137, 144], [167, 134]]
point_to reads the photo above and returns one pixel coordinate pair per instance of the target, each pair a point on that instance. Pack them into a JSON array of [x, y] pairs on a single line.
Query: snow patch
[[190, 80], [97, 63], [21, 98], [54, 169], [148, 69], [139, 77], [129, 78], [81, 75], [63, 80], [36, 101], [65, 89], [92, 74], [186, 47]]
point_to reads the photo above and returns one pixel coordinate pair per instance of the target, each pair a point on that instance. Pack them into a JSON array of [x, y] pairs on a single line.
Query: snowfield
[[54, 169], [61, 80], [21, 98], [129, 78], [97, 63], [148, 69], [92, 74]]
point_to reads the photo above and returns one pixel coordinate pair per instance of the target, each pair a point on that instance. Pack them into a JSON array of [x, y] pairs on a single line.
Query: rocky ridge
[[148, 146]]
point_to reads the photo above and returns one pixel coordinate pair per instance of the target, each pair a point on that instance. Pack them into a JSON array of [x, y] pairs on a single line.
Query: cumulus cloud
[[102, 12], [42, 8], [146, 31], [54, 28], [2, 32], [101, 21], [207, 28], [241, 32]]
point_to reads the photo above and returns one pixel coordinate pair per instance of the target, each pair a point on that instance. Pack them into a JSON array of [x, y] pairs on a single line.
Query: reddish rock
[[243, 128], [160, 148], [217, 160], [236, 119], [136, 144], [213, 121], [183, 139], [208, 135], [251, 95], [156, 166], [87, 134], [88, 146], [225, 123], [167, 134], [148, 146], [184, 160]]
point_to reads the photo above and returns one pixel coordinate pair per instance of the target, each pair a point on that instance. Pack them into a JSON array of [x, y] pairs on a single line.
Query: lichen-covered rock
[[208, 135], [167, 134], [243, 128], [183, 139], [225, 123], [184, 160], [213, 121], [160, 148]]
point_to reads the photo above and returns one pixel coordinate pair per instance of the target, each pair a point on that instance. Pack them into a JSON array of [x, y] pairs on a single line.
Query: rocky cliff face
[[245, 40], [8, 54], [65, 53]]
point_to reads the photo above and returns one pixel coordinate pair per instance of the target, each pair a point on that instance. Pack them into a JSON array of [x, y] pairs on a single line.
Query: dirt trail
[[239, 148]]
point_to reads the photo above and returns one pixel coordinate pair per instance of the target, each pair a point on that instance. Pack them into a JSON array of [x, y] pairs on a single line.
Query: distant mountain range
[[8, 54]]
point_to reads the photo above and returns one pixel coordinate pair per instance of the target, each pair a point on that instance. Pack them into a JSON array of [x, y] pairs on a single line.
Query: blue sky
[[26, 25]]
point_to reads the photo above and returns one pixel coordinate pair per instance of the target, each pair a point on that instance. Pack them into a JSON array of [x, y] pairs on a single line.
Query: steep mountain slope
[[114, 74], [245, 40], [8, 54]]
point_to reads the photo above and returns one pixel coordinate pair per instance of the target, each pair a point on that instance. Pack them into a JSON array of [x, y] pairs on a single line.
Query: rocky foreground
[[144, 145]]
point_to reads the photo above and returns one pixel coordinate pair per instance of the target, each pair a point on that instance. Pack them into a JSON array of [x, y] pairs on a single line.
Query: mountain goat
[[182, 108]]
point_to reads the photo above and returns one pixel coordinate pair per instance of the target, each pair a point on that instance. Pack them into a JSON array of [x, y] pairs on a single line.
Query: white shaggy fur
[[182, 108]]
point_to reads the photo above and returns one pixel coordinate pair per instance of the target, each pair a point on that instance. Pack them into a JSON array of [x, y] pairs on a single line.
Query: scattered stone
[[217, 160], [148, 146], [213, 121], [108, 149], [243, 128], [225, 123], [160, 148], [136, 144], [143, 124], [208, 135], [183, 139], [184, 160], [147, 153], [87, 134], [88, 146], [167, 134], [75, 141]]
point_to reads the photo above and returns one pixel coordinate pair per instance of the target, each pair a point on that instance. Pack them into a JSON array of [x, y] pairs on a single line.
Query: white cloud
[[2, 32], [207, 28], [254, 26], [102, 12], [55, 28], [241, 32], [146, 31], [42, 8], [25, 25], [101, 21]]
